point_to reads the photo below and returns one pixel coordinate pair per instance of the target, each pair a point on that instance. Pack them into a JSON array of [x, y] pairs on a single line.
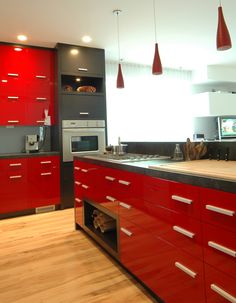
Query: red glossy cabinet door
[[219, 208], [40, 79], [14, 185], [26, 85], [220, 288], [44, 181]]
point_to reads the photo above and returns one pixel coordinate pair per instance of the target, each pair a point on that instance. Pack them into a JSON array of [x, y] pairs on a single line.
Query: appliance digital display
[[228, 127]]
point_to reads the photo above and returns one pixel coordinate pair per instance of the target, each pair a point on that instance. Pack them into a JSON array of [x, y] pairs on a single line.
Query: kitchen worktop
[[23, 155], [213, 174]]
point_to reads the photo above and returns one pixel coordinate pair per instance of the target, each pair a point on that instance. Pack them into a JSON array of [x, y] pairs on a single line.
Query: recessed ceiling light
[[74, 51], [77, 79], [22, 37], [86, 39]]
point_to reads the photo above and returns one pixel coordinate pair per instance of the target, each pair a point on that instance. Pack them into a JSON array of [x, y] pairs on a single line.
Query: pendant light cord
[[155, 27], [118, 35]]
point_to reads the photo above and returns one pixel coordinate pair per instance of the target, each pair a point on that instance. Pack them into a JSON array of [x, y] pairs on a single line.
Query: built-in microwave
[[80, 137]]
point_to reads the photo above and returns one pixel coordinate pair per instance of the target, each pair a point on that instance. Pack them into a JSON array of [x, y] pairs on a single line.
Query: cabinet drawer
[[184, 232], [220, 249], [182, 280], [81, 60], [156, 191], [15, 165], [220, 288], [83, 107], [219, 208], [185, 198], [86, 172]]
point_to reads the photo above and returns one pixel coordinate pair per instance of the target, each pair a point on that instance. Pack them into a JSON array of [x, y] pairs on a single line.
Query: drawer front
[[185, 232], [182, 280], [220, 288], [13, 166], [156, 191], [86, 172], [219, 208], [185, 198], [220, 249]]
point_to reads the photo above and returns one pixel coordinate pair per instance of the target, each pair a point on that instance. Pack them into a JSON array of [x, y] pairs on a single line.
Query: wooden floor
[[44, 260]]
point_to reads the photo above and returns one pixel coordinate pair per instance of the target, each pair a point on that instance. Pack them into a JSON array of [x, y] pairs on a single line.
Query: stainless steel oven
[[80, 137]]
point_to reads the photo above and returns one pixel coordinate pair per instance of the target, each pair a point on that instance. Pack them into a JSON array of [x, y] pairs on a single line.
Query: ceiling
[[186, 29]]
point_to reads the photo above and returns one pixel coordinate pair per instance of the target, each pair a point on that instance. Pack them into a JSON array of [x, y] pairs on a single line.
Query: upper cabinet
[[81, 60], [214, 104], [26, 85]]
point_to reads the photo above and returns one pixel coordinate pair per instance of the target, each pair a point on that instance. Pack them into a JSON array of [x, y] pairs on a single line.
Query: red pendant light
[[156, 66], [120, 80], [223, 40]]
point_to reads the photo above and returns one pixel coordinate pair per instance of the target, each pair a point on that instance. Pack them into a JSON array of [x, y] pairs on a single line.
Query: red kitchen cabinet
[[220, 288], [27, 85], [185, 198], [219, 208], [40, 92], [44, 177], [14, 185], [220, 249]]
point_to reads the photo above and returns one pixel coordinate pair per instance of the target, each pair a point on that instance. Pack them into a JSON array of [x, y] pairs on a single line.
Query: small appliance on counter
[[31, 143]]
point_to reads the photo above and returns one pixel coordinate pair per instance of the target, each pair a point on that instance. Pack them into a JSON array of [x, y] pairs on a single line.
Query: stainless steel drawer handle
[[78, 200], [13, 121], [40, 77], [77, 183], [126, 231], [15, 177], [84, 170], [82, 69], [46, 174], [41, 98], [45, 162], [186, 270], [13, 75], [127, 206], [15, 164], [77, 168], [85, 186], [223, 293], [220, 210], [40, 121], [123, 182], [223, 249], [13, 97], [182, 199], [109, 198], [84, 113], [183, 231], [110, 178]]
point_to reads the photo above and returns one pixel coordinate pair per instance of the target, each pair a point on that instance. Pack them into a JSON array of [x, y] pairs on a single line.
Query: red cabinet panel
[[220, 249], [219, 208], [220, 288], [44, 176], [14, 185], [156, 191], [185, 198], [26, 85]]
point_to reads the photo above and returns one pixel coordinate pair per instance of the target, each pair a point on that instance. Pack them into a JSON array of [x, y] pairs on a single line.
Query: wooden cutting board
[[209, 168]]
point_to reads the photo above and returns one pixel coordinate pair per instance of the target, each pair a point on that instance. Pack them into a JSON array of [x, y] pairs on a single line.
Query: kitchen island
[[174, 229]]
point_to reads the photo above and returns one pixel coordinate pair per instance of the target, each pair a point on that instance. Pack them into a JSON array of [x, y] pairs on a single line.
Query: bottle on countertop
[[178, 155]]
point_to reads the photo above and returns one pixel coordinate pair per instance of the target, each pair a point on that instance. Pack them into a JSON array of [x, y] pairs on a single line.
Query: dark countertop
[[141, 167], [24, 155]]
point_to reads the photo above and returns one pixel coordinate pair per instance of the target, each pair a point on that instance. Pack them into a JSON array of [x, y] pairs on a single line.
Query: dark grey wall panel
[[12, 139]]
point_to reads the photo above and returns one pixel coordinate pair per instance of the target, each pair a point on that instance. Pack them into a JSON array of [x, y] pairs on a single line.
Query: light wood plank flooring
[[44, 260]]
